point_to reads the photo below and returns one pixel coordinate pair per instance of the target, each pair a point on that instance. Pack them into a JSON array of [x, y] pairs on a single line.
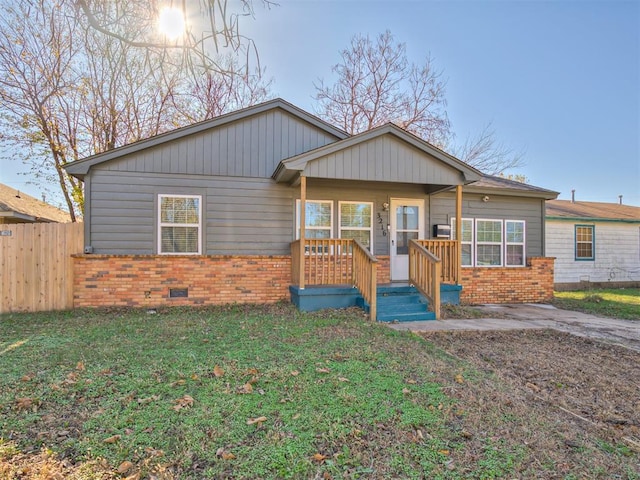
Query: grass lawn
[[616, 303], [250, 392]]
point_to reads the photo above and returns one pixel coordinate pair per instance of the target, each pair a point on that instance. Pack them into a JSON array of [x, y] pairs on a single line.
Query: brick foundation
[[146, 280], [530, 284]]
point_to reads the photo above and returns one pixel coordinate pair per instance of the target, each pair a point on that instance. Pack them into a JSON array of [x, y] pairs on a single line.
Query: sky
[[558, 81]]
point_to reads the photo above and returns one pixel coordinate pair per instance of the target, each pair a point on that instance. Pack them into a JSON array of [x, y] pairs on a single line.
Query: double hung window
[[179, 224]]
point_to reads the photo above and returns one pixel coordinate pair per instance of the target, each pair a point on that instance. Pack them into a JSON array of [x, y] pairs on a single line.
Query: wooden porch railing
[[425, 272], [448, 252], [336, 261], [364, 275]]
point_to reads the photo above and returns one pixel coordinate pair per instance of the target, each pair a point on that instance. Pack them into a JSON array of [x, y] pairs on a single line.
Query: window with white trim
[[318, 219], [514, 241], [466, 240], [584, 242], [179, 224], [488, 243], [492, 242], [356, 221]]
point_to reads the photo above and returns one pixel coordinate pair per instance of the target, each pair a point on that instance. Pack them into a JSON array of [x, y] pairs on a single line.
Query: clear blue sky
[[558, 80]]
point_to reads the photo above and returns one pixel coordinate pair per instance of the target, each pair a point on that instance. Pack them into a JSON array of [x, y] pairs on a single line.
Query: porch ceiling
[[384, 154]]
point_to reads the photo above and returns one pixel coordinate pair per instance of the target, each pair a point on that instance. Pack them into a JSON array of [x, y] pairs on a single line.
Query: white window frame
[[500, 243], [370, 228], [523, 244], [307, 228], [470, 243], [166, 224]]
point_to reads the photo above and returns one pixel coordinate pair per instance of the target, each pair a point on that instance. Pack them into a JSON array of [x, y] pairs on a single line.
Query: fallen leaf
[[246, 388], [444, 452], [26, 378], [258, 420], [183, 402], [124, 467], [135, 476], [532, 386], [323, 370], [411, 381], [218, 371], [343, 379], [406, 391], [228, 456], [112, 439], [252, 371], [459, 378], [295, 373], [194, 376], [80, 366], [144, 401], [318, 457], [296, 416], [24, 403], [178, 382]]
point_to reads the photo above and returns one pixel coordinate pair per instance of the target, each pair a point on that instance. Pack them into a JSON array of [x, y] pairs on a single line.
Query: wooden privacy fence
[[36, 268]]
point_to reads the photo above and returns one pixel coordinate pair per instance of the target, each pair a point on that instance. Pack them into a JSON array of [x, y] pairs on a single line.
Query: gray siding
[[531, 210], [251, 147], [378, 193], [240, 215], [383, 159]]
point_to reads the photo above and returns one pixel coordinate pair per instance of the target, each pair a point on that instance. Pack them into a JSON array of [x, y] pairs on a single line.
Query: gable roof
[[492, 183], [592, 211], [80, 168], [18, 207], [289, 168]]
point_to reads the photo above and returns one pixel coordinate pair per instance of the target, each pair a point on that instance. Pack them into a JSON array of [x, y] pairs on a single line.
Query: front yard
[[251, 392]]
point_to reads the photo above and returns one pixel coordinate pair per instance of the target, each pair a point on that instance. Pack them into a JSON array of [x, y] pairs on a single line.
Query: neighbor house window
[[466, 240], [584, 242], [318, 219], [355, 221], [179, 224], [514, 240], [489, 243]]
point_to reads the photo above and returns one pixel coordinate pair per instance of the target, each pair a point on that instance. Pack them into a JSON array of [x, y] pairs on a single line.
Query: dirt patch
[[571, 403]]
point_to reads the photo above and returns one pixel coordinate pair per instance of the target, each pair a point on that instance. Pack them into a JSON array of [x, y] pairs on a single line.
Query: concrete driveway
[[521, 316]]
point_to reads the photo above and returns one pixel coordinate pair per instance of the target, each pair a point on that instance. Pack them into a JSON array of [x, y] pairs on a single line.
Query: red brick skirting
[[146, 280], [530, 284]]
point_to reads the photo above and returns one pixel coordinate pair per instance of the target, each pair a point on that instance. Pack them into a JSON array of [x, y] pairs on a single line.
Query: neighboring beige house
[[18, 207], [595, 244]]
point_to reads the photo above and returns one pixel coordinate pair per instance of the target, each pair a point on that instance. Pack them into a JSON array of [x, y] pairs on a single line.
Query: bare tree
[[212, 28], [67, 91], [488, 155], [376, 84]]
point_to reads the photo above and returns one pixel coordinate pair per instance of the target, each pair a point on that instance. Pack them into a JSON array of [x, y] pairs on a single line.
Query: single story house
[[595, 244], [211, 213], [18, 207]]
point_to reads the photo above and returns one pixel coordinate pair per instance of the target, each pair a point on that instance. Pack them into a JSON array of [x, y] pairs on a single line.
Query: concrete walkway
[[521, 316]]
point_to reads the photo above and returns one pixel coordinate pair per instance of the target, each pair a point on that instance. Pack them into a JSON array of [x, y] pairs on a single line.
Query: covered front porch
[[368, 218]]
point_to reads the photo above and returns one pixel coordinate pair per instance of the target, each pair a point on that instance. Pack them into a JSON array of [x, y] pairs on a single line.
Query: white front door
[[407, 223]]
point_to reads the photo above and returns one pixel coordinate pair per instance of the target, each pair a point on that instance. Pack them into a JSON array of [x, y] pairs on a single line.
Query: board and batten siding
[[531, 210], [251, 147], [384, 158], [617, 252], [240, 215]]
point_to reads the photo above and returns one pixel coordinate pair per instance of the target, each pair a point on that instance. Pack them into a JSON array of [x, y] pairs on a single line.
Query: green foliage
[[616, 303]]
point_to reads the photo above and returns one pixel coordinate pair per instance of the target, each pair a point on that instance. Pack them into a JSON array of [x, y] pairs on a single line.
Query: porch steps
[[400, 304]]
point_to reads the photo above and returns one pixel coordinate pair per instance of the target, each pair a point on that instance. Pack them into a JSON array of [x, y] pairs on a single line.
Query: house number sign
[[5, 233], [381, 222]]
